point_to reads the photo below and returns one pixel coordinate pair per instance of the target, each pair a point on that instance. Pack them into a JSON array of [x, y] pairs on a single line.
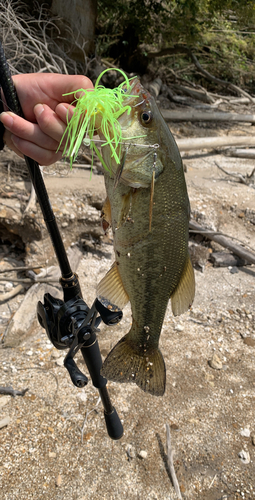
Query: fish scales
[[150, 258]]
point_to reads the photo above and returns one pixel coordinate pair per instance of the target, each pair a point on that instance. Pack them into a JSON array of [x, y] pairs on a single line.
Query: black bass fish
[[148, 209]]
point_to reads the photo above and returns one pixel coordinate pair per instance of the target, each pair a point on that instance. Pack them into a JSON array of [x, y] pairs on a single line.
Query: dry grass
[[37, 44]]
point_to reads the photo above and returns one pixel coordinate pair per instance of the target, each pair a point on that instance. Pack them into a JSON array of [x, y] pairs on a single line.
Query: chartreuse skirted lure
[[101, 106]]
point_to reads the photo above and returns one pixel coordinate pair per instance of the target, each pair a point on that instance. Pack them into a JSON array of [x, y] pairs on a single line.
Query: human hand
[[45, 109]]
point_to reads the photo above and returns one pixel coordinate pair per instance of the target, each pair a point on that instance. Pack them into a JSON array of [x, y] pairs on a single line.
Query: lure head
[[130, 127]]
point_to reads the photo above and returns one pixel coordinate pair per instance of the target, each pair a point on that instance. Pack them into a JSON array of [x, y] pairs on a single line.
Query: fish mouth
[[136, 88]]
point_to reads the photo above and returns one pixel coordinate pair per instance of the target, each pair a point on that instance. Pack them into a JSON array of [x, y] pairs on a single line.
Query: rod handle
[[113, 425]]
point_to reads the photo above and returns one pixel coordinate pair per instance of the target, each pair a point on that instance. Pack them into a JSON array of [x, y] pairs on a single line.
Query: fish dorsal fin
[[111, 288], [184, 293]]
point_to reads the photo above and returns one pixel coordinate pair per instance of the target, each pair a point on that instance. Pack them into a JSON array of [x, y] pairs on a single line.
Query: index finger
[[47, 88], [64, 89]]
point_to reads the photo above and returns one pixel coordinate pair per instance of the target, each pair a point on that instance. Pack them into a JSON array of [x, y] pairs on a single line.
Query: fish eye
[[146, 117]]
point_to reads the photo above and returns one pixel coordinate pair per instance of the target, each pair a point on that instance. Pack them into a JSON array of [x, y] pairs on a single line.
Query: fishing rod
[[69, 323]]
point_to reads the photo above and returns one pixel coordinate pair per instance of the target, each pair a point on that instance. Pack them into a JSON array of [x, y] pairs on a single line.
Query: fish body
[[149, 213]]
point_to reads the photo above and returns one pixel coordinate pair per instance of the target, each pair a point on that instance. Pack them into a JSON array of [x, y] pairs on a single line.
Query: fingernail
[[62, 107], [38, 109], [62, 110], [7, 120], [15, 140]]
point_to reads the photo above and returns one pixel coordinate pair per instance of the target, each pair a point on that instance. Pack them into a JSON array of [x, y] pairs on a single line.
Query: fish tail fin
[[125, 364]]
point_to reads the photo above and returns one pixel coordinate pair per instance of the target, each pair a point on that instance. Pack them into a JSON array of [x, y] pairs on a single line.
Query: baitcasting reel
[[73, 325]]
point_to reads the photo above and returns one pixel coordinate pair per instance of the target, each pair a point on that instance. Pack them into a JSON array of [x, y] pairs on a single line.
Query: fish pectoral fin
[[111, 288], [126, 364], [183, 295], [126, 202], [106, 215]]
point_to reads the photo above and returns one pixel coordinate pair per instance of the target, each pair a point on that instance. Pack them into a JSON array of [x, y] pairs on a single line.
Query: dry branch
[[241, 153], [214, 142], [21, 268], [86, 417], [12, 293], [218, 80], [155, 87], [169, 452], [28, 46], [244, 179], [184, 49], [195, 116], [176, 49], [32, 199], [224, 242], [12, 392], [179, 99], [30, 281], [201, 95], [240, 100]]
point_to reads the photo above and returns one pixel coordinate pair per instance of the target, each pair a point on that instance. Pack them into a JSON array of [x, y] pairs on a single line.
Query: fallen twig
[[12, 392], [241, 153], [21, 268], [9, 295], [45, 370], [32, 201], [243, 179], [8, 206], [201, 95], [21, 197], [31, 206], [30, 281], [86, 417], [214, 79], [212, 482], [214, 142], [169, 452], [193, 115]]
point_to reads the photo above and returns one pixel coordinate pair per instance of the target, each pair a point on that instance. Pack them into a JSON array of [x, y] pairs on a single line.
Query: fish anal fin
[[126, 364], [184, 293], [111, 288]]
